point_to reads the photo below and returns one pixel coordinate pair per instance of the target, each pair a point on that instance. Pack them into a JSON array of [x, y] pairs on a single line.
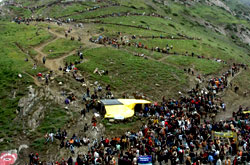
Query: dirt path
[[54, 64], [35, 79], [163, 58], [58, 62], [229, 80], [79, 32], [39, 57], [232, 100]]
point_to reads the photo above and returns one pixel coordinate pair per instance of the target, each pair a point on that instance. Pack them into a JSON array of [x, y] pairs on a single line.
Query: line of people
[[117, 43], [174, 134]]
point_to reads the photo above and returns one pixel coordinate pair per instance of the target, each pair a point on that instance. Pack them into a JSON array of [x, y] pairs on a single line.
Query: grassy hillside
[[60, 47], [12, 62], [127, 72], [209, 32]]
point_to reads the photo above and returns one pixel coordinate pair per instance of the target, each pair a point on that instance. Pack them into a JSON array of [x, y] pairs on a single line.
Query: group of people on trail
[[126, 41], [174, 132], [220, 83], [128, 14], [47, 77]]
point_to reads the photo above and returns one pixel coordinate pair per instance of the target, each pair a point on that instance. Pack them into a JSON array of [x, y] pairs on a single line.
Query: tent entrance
[[138, 108]]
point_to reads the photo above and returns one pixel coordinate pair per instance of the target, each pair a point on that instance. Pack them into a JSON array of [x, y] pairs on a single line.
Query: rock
[[111, 120], [26, 103], [33, 120], [23, 146], [157, 85]]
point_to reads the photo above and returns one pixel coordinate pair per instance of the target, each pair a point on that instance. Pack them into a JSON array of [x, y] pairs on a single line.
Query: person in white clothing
[[218, 162]]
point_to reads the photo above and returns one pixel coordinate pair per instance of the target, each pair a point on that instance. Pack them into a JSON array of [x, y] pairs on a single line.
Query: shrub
[[175, 14]]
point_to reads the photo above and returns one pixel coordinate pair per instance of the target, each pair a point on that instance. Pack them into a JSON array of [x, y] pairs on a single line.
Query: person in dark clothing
[[31, 155], [88, 92], [70, 161], [44, 60], [79, 160], [36, 159], [86, 127], [62, 144], [83, 112]]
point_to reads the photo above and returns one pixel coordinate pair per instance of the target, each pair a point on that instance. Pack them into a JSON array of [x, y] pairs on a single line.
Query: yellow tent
[[121, 108]]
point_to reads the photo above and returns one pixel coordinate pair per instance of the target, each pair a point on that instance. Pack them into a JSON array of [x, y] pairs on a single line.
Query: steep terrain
[[146, 47]]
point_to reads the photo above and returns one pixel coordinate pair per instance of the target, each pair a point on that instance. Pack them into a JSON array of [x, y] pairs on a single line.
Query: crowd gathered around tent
[[177, 131]]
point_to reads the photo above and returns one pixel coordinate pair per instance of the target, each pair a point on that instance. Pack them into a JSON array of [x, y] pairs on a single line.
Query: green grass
[[183, 46], [71, 59], [54, 118], [22, 12], [34, 3], [111, 30], [127, 72], [215, 15], [138, 4], [202, 65], [152, 54], [38, 144], [242, 82], [25, 35], [155, 23], [62, 10], [105, 11], [12, 63], [60, 47]]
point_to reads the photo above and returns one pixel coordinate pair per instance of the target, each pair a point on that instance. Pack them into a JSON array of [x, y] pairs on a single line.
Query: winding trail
[[163, 58], [35, 79], [55, 63], [78, 123], [229, 80], [40, 55]]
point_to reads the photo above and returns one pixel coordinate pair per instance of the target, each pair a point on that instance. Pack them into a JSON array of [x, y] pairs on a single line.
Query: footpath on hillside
[[173, 132]]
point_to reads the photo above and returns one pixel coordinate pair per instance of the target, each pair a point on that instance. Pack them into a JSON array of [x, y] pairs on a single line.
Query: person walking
[[44, 60], [83, 112]]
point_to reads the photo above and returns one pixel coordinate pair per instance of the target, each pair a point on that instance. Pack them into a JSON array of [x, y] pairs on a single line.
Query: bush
[[102, 29], [186, 12], [172, 26], [168, 10], [175, 14], [229, 27]]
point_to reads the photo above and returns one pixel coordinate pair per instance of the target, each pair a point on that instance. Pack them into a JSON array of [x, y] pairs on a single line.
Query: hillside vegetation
[[142, 46]]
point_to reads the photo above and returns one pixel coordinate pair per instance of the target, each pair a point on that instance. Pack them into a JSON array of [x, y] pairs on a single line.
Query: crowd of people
[[128, 41], [128, 14], [174, 132], [218, 84]]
